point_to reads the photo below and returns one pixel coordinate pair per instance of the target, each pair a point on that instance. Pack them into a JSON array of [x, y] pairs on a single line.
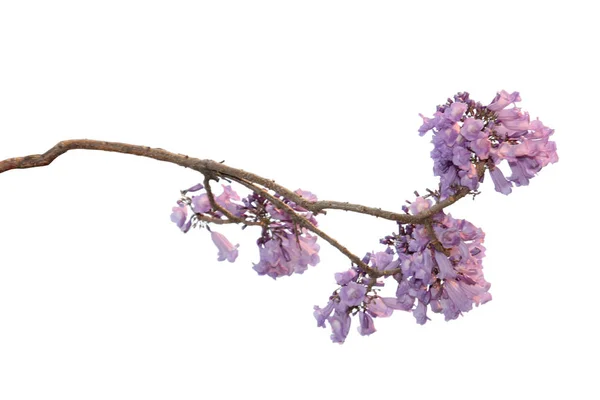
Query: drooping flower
[[367, 325], [321, 314], [420, 313], [377, 307], [500, 183], [179, 216], [227, 251], [340, 326], [403, 302], [272, 261]]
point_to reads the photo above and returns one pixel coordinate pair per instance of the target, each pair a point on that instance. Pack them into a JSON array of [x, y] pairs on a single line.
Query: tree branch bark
[[213, 169]]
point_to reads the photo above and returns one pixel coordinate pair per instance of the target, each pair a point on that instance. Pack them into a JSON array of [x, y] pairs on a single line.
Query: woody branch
[[213, 170]]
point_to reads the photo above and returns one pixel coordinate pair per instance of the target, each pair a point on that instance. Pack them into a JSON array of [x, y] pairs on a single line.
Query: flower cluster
[[467, 134], [442, 269], [200, 205], [355, 296], [441, 272], [284, 246]]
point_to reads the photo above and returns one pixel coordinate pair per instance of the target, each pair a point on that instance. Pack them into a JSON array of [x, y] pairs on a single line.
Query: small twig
[[219, 221], [434, 239]]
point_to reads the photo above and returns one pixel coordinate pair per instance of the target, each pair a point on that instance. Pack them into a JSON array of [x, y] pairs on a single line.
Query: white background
[[101, 296]]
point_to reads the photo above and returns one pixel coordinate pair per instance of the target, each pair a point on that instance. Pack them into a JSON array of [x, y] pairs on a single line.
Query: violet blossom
[[367, 326], [353, 294], [179, 216], [227, 251]]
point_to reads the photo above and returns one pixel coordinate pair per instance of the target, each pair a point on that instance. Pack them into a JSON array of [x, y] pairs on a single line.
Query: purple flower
[[227, 251], [195, 188], [455, 111], [448, 135], [343, 278], [179, 216], [420, 313], [272, 261], [419, 205], [201, 204], [307, 251], [340, 326], [481, 147], [307, 195], [353, 294], [321, 314], [461, 158], [225, 200], [514, 119], [377, 307], [448, 308], [419, 239], [384, 261], [277, 213], [428, 123], [455, 290], [450, 236], [520, 173], [404, 302], [539, 130], [471, 129], [500, 183], [367, 326], [468, 231], [469, 178], [503, 99], [445, 267], [461, 293]]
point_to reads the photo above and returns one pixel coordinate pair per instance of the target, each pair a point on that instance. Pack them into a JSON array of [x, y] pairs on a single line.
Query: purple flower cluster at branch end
[[466, 133], [284, 247], [427, 279], [355, 297], [285, 253]]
